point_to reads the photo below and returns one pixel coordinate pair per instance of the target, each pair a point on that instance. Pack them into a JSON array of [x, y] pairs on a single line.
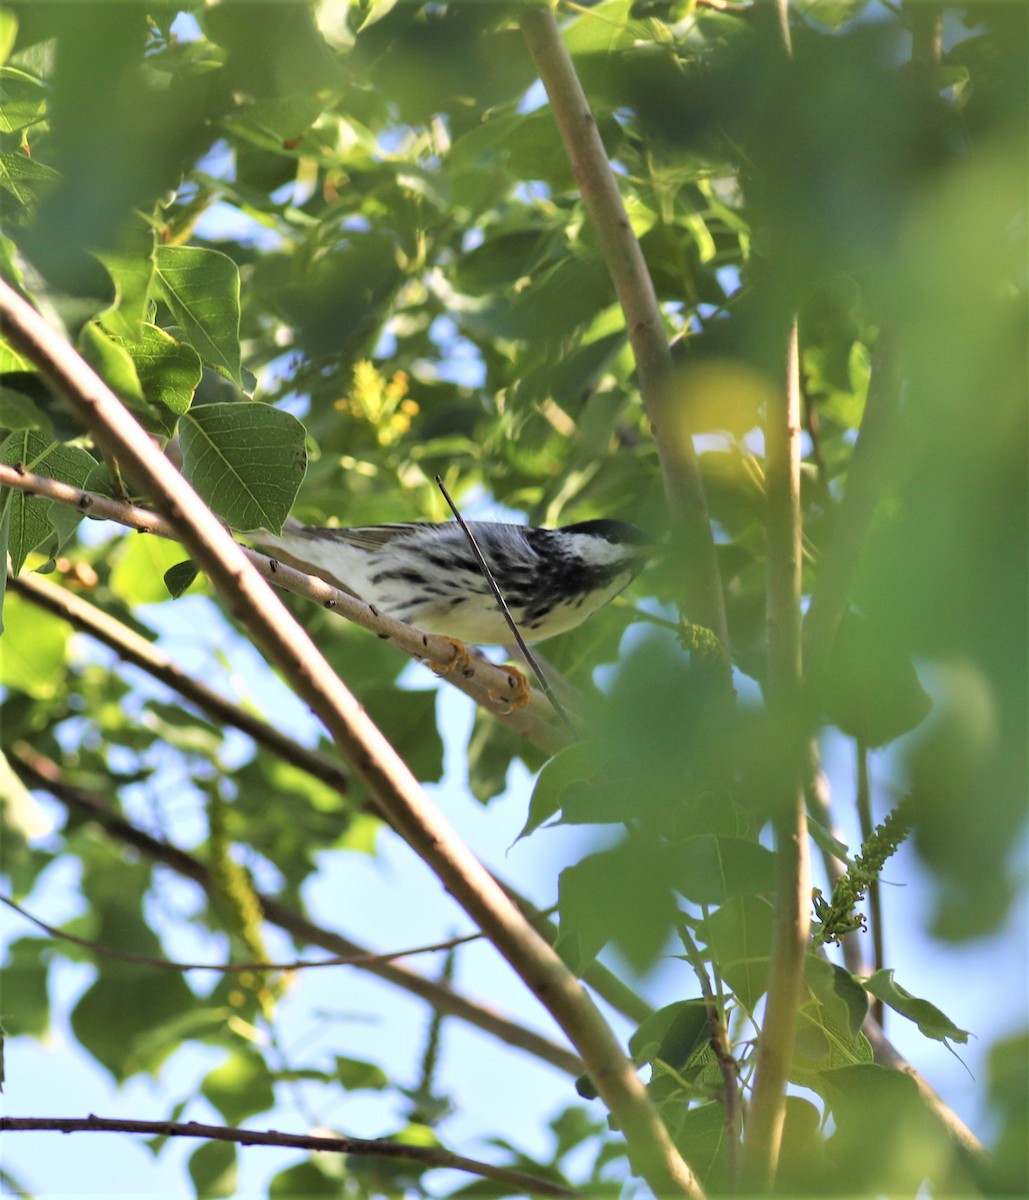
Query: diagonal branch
[[487, 684], [430, 1157], [684, 491], [130, 646], [287, 646], [38, 771]]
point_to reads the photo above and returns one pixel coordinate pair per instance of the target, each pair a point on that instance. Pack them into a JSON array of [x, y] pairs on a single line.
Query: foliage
[[324, 252]]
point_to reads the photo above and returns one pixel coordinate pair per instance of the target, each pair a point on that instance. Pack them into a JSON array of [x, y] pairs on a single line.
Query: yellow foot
[[519, 695], [461, 663]]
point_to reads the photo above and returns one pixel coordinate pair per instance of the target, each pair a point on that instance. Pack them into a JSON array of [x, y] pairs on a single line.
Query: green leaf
[[213, 1169], [709, 869], [35, 649], [739, 936], [240, 1087], [201, 288], [926, 1016], [21, 811], [24, 1000], [8, 33], [22, 98], [622, 895], [408, 719], [169, 373], [673, 1034], [30, 519], [246, 460], [307, 1179], [121, 1009], [18, 412], [573, 764], [356, 1075], [114, 366], [23, 176], [180, 578], [131, 268], [140, 562]]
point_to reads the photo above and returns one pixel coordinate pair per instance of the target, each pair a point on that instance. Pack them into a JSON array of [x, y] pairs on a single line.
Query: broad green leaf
[[11, 360], [25, 1003], [408, 719], [213, 1170], [30, 518], [18, 412], [308, 1179], [246, 460], [710, 869], [355, 1074], [22, 98], [926, 1016], [275, 123], [836, 988], [739, 936], [33, 650], [169, 373], [240, 1087], [131, 268], [180, 578], [8, 33], [114, 366], [571, 765], [201, 288], [21, 812], [23, 176], [673, 1034], [140, 563], [622, 895], [121, 1009]]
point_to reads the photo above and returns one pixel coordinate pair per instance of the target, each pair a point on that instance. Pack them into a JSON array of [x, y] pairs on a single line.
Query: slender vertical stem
[[875, 911], [687, 506], [793, 882]]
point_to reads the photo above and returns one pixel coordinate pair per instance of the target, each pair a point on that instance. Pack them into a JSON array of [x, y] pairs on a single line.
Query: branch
[[431, 1157], [130, 646], [133, 648], [487, 684], [168, 964], [288, 646], [684, 491], [37, 771], [793, 883]]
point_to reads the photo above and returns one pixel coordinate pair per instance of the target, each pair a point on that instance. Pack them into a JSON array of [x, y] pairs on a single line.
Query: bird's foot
[[460, 664], [519, 695]]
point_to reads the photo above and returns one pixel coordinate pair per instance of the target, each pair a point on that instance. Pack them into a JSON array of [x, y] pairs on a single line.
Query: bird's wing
[[372, 537]]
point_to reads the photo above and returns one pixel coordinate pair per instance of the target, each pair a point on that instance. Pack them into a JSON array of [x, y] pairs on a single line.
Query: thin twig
[[727, 1064], [487, 684], [38, 771], [680, 471], [516, 633], [430, 1157], [131, 647], [167, 964]]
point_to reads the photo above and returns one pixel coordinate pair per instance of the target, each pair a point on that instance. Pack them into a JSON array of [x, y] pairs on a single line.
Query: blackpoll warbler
[[426, 575]]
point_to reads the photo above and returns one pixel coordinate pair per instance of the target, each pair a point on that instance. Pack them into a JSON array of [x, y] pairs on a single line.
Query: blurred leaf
[[20, 812], [25, 1001], [240, 1087], [246, 460], [356, 1075], [212, 1167], [34, 649], [623, 895], [139, 565], [709, 870], [673, 1034]]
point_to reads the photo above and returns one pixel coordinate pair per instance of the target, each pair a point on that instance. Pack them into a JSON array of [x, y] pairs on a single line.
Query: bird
[[426, 574]]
